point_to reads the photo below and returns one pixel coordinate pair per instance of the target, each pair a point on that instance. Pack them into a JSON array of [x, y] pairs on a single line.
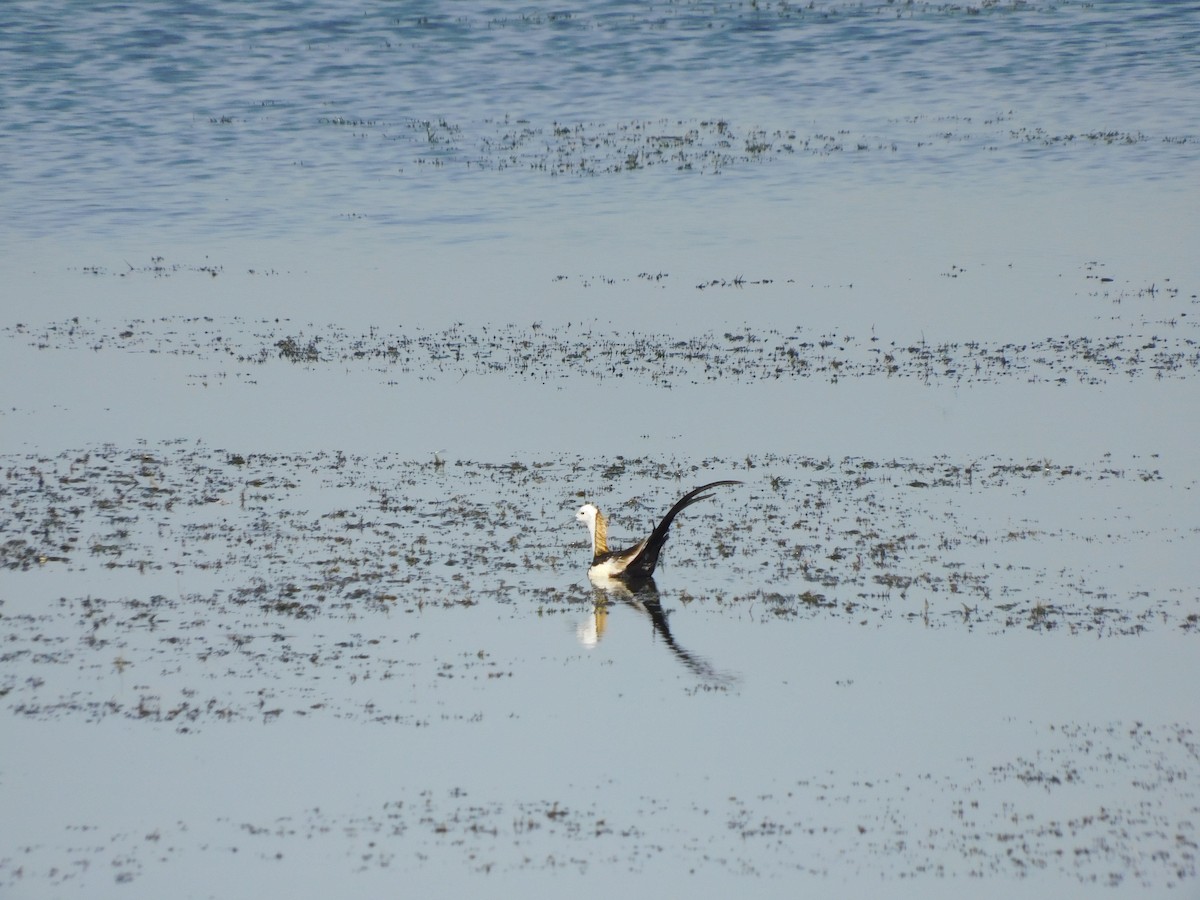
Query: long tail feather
[[648, 558]]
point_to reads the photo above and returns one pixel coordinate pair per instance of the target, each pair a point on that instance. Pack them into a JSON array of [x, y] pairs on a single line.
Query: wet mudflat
[[302, 602], [952, 669], [312, 630]]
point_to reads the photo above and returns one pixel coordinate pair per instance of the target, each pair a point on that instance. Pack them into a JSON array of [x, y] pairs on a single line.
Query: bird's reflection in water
[[642, 596]]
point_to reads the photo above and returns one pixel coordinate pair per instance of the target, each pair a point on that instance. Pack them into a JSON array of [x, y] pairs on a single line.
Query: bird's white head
[[597, 526], [587, 514]]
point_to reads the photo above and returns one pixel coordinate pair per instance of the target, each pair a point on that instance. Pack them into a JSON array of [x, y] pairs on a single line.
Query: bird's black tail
[[648, 558]]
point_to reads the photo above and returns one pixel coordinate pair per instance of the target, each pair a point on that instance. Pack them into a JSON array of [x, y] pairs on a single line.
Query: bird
[[635, 564]]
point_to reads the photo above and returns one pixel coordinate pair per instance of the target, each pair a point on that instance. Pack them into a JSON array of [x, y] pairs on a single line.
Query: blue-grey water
[[412, 122], [922, 276]]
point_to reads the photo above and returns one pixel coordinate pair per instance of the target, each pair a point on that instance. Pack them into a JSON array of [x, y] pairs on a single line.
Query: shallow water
[[320, 323]]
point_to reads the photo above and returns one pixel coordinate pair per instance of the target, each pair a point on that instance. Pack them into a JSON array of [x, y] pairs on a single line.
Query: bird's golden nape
[[637, 563], [600, 535]]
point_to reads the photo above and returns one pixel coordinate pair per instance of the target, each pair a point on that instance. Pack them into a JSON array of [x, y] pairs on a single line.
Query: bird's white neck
[[597, 527]]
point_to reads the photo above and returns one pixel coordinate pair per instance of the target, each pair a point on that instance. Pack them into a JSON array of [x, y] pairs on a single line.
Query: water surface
[[319, 322]]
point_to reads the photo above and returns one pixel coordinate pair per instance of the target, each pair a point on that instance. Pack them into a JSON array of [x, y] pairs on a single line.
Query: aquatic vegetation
[[592, 351], [258, 588], [261, 542]]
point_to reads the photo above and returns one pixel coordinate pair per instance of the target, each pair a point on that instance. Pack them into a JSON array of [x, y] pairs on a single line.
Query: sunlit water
[[201, 120], [923, 277]]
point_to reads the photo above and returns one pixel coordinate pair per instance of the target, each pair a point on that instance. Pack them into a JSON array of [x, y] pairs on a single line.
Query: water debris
[[589, 351], [698, 146], [1048, 820], [293, 350], [158, 267]]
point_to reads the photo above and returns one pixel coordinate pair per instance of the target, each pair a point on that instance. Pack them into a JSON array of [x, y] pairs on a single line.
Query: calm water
[[199, 120], [922, 276]]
